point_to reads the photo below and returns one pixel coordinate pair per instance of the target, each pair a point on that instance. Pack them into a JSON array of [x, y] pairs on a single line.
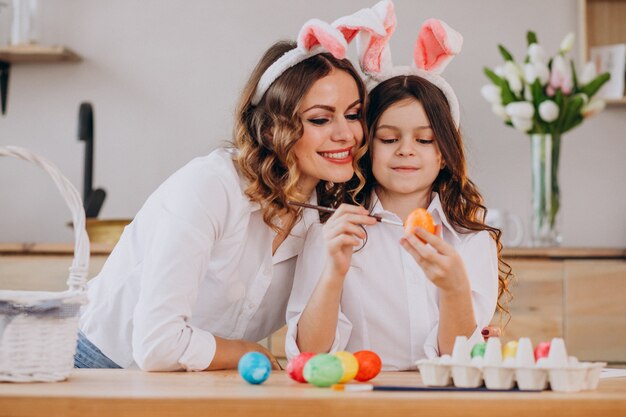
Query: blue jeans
[[89, 356]]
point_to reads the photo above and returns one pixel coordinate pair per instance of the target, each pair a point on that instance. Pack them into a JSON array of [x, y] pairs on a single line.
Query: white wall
[[164, 77]]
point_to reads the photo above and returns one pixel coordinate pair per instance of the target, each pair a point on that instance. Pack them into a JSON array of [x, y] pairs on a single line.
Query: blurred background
[[164, 77]]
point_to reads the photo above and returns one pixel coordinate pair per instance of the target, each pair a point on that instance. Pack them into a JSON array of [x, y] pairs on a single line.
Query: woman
[[205, 269]]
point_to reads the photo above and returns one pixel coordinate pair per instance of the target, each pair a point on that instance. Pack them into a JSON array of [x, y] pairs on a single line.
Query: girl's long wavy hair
[[461, 201], [265, 135]]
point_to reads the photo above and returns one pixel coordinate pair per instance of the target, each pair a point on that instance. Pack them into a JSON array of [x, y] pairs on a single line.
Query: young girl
[[404, 297], [205, 269]]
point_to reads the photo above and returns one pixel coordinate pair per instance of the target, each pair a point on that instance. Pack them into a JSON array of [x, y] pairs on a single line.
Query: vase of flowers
[[544, 98]]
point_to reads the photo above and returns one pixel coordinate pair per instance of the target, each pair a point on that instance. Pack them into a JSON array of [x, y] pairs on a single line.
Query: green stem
[[556, 201], [545, 152]]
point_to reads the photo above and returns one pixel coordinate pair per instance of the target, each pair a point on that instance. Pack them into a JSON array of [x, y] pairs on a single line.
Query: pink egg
[[542, 350], [295, 366]]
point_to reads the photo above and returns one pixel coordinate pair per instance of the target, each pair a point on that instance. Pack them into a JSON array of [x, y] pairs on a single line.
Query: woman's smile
[[339, 156]]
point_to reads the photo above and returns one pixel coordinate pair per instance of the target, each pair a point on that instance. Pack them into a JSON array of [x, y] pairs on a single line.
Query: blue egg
[[254, 367]]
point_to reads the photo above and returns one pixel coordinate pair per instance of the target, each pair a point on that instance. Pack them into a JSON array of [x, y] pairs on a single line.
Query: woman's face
[[331, 117], [405, 155]]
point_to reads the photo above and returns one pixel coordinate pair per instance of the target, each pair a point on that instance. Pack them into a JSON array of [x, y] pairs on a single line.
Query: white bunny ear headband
[[436, 45], [315, 37]]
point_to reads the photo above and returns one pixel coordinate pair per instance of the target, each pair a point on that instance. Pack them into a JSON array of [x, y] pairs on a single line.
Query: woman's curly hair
[[265, 135]]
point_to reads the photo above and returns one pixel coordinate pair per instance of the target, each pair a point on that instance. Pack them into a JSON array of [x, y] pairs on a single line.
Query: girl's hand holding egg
[[441, 263], [419, 218]]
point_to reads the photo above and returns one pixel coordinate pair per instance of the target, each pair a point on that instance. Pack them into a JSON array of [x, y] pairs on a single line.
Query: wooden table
[[122, 393]]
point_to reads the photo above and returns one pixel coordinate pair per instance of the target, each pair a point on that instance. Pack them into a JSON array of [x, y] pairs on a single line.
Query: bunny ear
[[437, 43], [317, 32], [374, 55], [363, 20]]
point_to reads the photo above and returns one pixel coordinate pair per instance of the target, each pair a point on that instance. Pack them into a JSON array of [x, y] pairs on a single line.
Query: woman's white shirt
[[388, 305], [195, 263]]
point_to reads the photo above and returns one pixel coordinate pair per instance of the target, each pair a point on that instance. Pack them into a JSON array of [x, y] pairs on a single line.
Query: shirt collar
[[439, 216], [435, 209]]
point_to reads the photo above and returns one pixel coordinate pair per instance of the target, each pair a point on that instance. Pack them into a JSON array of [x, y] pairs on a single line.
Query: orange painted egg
[[419, 218], [369, 365]]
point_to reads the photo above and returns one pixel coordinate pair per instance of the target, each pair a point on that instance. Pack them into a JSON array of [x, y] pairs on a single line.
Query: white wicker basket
[[38, 330]]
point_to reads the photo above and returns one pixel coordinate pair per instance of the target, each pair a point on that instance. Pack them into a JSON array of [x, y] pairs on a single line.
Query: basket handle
[[80, 264]]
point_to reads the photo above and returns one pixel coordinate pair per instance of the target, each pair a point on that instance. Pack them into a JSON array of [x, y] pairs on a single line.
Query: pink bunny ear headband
[[436, 45], [315, 37]]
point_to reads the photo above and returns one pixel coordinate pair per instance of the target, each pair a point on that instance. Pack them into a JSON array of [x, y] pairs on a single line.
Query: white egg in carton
[[565, 374]]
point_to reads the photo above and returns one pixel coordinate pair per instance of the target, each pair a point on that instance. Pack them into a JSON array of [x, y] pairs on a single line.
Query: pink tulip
[[560, 76]]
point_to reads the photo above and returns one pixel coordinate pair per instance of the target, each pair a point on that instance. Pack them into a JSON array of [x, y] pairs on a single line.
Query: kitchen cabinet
[[575, 293]]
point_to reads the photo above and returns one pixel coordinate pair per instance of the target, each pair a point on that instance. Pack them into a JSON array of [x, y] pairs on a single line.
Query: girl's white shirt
[[196, 262], [388, 305]]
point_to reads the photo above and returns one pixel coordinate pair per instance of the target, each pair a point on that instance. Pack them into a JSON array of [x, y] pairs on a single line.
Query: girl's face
[[331, 116], [405, 155]]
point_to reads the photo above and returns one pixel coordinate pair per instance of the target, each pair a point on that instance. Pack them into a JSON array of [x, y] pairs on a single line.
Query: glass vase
[[546, 201]]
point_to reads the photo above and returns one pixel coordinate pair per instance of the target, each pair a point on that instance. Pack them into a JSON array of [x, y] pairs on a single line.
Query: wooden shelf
[[602, 22], [33, 54], [20, 54], [560, 253], [617, 102]]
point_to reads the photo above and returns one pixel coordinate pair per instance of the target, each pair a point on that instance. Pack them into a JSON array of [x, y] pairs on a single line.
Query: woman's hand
[[342, 232], [441, 263], [228, 352]]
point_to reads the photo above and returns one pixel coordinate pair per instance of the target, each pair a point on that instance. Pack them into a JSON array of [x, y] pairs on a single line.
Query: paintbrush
[[378, 218], [370, 387]]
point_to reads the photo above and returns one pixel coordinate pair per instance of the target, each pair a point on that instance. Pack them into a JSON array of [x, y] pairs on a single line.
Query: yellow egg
[[510, 350], [350, 366]]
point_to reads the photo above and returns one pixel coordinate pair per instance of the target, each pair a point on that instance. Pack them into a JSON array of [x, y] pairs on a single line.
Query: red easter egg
[[542, 350], [369, 365], [296, 366]]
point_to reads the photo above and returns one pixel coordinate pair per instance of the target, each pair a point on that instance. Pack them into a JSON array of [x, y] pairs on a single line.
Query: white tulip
[[528, 94], [536, 53], [491, 93], [499, 71], [498, 110], [594, 107], [520, 109], [549, 111], [512, 74], [543, 72], [588, 74], [530, 73], [536, 71], [521, 123], [567, 42]]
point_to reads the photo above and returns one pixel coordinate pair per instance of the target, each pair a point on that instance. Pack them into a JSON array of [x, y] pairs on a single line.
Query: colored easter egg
[[510, 350], [369, 365], [323, 370], [295, 367], [350, 366], [542, 350], [419, 217], [254, 367], [479, 349]]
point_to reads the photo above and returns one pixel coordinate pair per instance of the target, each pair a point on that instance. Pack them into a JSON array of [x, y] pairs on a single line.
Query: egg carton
[[558, 371]]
